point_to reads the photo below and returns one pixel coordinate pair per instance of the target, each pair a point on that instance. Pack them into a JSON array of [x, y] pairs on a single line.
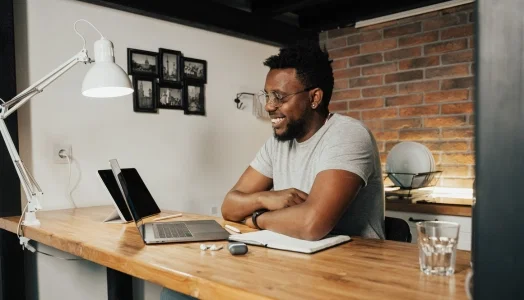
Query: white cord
[[69, 192], [81, 36]]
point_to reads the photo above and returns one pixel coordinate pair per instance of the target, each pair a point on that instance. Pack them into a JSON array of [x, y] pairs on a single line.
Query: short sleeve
[[349, 148], [263, 162]]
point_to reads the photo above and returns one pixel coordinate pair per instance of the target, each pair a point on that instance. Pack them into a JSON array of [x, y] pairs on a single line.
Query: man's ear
[[315, 96]]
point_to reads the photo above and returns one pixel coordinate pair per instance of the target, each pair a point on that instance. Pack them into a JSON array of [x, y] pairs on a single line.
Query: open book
[[275, 240]]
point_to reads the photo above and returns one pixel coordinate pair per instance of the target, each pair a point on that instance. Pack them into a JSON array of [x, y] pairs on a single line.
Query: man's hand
[[276, 200]]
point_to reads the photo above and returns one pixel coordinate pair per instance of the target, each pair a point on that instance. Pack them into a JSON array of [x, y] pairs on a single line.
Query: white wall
[[188, 162]]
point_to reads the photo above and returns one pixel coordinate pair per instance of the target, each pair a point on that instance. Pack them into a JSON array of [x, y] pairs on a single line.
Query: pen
[[232, 228], [168, 217]]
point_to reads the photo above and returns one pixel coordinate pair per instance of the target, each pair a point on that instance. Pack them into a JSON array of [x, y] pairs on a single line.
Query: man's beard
[[294, 130]]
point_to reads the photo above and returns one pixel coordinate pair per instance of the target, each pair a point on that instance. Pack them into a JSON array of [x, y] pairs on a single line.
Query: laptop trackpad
[[204, 226]]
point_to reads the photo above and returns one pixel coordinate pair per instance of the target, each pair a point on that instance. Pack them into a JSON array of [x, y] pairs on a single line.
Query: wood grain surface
[[360, 269]]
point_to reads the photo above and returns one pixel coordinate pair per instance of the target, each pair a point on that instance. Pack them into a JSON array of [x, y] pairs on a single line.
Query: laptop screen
[[139, 200]]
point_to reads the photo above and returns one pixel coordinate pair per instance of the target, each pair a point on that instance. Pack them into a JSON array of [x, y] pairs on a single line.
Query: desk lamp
[[105, 79]]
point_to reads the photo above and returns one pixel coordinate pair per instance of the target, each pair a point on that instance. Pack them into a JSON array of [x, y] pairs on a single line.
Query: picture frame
[[194, 99], [143, 63], [170, 70], [194, 70], [170, 96], [145, 94]]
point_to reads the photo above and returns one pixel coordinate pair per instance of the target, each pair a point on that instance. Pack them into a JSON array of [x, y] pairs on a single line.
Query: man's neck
[[317, 121]]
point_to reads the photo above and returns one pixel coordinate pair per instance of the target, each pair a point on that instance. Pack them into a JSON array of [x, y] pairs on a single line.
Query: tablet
[[144, 202]]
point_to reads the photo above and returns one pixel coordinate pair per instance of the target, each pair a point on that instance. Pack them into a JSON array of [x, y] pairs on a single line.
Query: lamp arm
[[31, 188], [12, 105]]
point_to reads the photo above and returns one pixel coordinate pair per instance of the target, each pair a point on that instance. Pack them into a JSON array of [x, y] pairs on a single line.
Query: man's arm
[[331, 194]]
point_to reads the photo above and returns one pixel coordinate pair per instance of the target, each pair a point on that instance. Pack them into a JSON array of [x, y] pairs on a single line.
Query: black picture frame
[[142, 101], [148, 67], [192, 70], [167, 98], [194, 105], [170, 59]]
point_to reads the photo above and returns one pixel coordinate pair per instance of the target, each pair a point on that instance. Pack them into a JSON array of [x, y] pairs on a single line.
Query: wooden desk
[[360, 269]]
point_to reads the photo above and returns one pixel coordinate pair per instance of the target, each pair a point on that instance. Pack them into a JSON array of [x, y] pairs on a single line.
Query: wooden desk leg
[[119, 285]]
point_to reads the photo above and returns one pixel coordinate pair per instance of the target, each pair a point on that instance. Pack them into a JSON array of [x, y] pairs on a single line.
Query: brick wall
[[411, 80]]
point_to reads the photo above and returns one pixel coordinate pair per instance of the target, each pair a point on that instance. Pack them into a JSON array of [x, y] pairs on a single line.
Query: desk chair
[[397, 230]]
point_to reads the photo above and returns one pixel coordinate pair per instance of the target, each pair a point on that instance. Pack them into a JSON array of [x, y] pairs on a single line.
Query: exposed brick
[[341, 32], [346, 94], [471, 120], [381, 146], [379, 69], [336, 43], [415, 87], [365, 81], [386, 135], [457, 83], [382, 113], [373, 125], [457, 182], [402, 123], [418, 39], [456, 32], [445, 47], [457, 108], [383, 158], [353, 114], [457, 57], [364, 37], [346, 73], [344, 52], [341, 84], [459, 133], [421, 62], [378, 46], [419, 17], [471, 42], [456, 70], [424, 110], [441, 22], [365, 59], [339, 64], [419, 134], [451, 121], [447, 146], [455, 9], [402, 30], [402, 53], [454, 171], [380, 25], [366, 103], [404, 76], [386, 90], [446, 96], [471, 17], [458, 158], [404, 100], [338, 106]]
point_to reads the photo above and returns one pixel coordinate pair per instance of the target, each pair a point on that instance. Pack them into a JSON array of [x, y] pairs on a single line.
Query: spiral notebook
[[279, 241]]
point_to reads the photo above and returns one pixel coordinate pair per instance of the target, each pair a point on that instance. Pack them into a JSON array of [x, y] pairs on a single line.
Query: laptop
[[164, 232]]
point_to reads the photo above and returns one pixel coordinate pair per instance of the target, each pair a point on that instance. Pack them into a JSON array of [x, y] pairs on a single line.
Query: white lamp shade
[[105, 78]]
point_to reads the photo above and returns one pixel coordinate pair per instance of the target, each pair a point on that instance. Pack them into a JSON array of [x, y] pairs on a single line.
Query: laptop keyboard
[[168, 230]]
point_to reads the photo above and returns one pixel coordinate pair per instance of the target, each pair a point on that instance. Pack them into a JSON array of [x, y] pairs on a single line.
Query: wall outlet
[[56, 150], [214, 210]]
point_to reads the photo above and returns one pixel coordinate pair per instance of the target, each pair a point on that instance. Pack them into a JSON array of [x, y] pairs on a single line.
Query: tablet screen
[[143, 201]]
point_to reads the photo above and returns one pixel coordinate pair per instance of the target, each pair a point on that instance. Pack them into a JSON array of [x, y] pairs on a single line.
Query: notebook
[[279, 241]]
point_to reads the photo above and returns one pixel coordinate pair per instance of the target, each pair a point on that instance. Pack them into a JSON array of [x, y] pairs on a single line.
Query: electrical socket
[[56, 150]]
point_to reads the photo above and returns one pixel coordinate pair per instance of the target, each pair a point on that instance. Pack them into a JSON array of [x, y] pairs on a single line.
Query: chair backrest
[[397, 230]]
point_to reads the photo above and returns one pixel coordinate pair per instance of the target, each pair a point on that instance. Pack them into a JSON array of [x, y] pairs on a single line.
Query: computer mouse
[[237, 248]]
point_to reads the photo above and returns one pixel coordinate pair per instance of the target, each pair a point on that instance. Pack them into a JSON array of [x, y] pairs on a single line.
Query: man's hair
[[312, 65]]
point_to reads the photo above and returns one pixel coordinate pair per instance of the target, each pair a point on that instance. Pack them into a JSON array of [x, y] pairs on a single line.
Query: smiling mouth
[[276, 121]]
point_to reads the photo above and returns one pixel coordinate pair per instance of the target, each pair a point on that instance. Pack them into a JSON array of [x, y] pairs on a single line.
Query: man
[[320, 173]]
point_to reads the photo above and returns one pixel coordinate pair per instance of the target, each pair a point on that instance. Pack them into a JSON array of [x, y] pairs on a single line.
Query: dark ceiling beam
[[214, 17], [340, 13], [277, 7]]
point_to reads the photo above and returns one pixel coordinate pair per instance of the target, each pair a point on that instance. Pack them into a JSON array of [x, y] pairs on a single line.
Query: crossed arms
[[293, 212]]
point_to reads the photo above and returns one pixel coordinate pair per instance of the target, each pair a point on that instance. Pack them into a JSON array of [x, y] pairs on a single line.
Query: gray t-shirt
[[343, 143]]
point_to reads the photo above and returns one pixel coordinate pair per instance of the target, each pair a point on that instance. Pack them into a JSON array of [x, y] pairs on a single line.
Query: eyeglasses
[[276, 98]]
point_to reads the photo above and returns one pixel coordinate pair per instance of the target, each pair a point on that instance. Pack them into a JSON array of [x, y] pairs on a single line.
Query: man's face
[[288, 120]]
